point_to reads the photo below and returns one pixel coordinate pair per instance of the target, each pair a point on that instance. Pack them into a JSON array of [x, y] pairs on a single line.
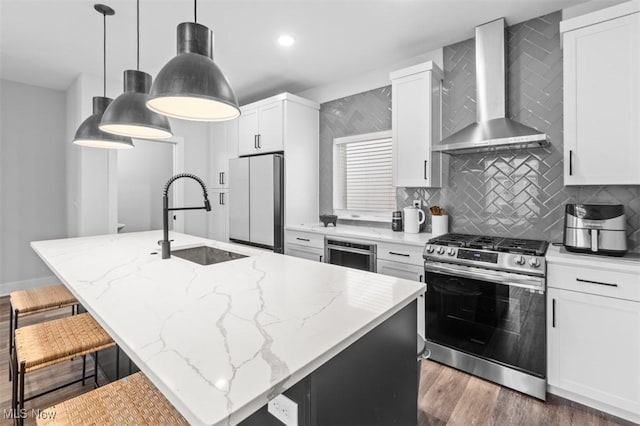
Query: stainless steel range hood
[[492, 130]]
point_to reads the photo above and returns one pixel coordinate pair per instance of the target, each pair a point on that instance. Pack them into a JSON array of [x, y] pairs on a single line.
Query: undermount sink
[[205, 255]]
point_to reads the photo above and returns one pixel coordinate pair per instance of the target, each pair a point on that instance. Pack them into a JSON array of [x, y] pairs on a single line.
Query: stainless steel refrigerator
[[256, 201]]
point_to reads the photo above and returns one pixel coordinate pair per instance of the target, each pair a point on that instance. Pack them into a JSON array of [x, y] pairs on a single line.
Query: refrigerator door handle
[[278, 197]]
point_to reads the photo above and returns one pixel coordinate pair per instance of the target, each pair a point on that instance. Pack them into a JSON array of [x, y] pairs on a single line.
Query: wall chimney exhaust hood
[[492, 130]]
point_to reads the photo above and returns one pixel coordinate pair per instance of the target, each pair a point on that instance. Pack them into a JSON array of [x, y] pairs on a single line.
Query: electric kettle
[[413, 218]]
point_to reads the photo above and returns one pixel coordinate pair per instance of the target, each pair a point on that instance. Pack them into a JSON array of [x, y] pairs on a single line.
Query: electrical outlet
[[417, 203], [284, 409]]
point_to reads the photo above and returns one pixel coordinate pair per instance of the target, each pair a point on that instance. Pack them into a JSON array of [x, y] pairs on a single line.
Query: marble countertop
[[628, 263], [365, 232], [219, 341]]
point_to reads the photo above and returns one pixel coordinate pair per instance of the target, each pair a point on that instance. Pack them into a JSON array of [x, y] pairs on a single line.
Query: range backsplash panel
[[518, 193]]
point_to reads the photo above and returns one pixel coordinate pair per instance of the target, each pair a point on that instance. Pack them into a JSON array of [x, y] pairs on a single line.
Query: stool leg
[[84, 367], [20, 378], [13, 326], [14, 385], [117, 362], [95, 371], [10, 336]]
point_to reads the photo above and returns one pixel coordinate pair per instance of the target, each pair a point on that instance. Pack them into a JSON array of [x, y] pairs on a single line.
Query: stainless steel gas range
[[485, 308]]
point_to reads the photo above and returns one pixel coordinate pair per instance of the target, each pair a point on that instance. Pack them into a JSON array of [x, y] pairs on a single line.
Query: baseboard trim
[[614, 411], [7, 288]]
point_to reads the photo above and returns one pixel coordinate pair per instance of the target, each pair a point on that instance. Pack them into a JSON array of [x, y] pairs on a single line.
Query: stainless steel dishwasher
[[350, 253]]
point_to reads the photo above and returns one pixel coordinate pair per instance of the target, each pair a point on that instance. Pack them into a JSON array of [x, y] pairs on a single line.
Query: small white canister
[[439, 225]]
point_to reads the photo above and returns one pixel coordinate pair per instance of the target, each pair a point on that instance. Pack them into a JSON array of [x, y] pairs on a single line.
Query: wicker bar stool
[[48, 343], [133, 400], [26, 302]]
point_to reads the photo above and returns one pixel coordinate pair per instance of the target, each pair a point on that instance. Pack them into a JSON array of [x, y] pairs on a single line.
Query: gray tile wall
[[519, 193], [362, 113]]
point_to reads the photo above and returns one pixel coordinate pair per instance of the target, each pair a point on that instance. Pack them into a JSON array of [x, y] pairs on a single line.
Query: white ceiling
[[48, 43]]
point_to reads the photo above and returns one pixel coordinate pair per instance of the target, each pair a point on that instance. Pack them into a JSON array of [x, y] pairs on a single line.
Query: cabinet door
[[218, 157], [594, 347], [412, 116], [408, 272], [248, 129], [239, 199], [602, 103], [305, 252], [270, 137], [218, 217]]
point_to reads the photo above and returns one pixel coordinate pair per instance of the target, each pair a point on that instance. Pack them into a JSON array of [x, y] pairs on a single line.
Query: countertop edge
[[340, 231], [554, 255]]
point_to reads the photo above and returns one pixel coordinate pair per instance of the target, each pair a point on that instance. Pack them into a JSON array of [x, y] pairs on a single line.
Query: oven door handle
[[507, 278], [351, 250]]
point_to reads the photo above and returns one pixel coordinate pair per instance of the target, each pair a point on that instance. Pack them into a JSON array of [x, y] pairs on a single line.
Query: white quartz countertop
[[219, 341], [365, 232], [628, 263]]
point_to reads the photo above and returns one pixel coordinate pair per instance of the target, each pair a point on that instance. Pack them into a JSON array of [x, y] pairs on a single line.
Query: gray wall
[[142, 173], [518, 193], [32, 182]]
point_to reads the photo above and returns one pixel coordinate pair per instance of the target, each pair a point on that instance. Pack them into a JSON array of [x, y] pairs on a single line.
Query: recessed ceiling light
[[286, 40]]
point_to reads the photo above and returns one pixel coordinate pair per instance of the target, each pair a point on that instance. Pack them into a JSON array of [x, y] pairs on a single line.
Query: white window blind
[[365, 175]]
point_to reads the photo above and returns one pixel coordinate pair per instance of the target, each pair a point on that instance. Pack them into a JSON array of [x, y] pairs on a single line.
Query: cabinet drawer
[[602, 282], [401, 253], [309, 239], [304, 252]]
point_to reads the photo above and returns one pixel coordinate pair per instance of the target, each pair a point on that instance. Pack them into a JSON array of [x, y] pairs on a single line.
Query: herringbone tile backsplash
[[517, 193]]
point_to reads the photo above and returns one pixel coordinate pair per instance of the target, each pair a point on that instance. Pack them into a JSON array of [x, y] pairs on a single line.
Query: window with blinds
[[363, 174]]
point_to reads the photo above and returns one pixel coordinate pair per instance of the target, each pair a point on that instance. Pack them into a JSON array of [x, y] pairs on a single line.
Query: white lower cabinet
[[219, 215], [307, 245], [408, 272], [305, 252], [594, 350]]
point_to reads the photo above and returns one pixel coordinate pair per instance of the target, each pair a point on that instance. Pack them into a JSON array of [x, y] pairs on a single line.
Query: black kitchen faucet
[[165, 243]]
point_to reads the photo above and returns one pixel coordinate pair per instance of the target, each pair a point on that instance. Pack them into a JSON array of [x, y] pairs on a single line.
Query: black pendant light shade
[[191, 86], [128, 115], [89, 134]]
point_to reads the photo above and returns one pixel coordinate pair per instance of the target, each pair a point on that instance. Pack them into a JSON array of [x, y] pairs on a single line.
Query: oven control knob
[[429, 248], [451, 251], [440, 250], [534, 262], [519, 260]]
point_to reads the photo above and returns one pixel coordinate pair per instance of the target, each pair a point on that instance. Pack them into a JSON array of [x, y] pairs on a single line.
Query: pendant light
[[191, 86], [128, 115], [89, 134]]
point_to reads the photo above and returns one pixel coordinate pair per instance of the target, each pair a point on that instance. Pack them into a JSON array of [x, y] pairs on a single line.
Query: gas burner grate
[[484, 243], [522, 246], [453, 240]]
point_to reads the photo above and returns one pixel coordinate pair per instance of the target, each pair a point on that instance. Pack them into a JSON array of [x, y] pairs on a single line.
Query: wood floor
[[447, 396]]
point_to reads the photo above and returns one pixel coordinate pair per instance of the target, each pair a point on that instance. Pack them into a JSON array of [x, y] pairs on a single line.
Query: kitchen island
[[220, 341]]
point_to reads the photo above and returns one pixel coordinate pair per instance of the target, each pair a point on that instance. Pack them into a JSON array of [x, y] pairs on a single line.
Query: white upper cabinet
[[261, 128], [602, 97], [416, 125], [286, 123], [224, 145]]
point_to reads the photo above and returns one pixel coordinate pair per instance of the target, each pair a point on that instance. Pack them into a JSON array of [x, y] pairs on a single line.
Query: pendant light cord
[[104, 54], [138, 34], [195, 11]]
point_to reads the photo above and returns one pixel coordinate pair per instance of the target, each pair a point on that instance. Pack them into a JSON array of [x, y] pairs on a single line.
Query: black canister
[[396, 221]]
